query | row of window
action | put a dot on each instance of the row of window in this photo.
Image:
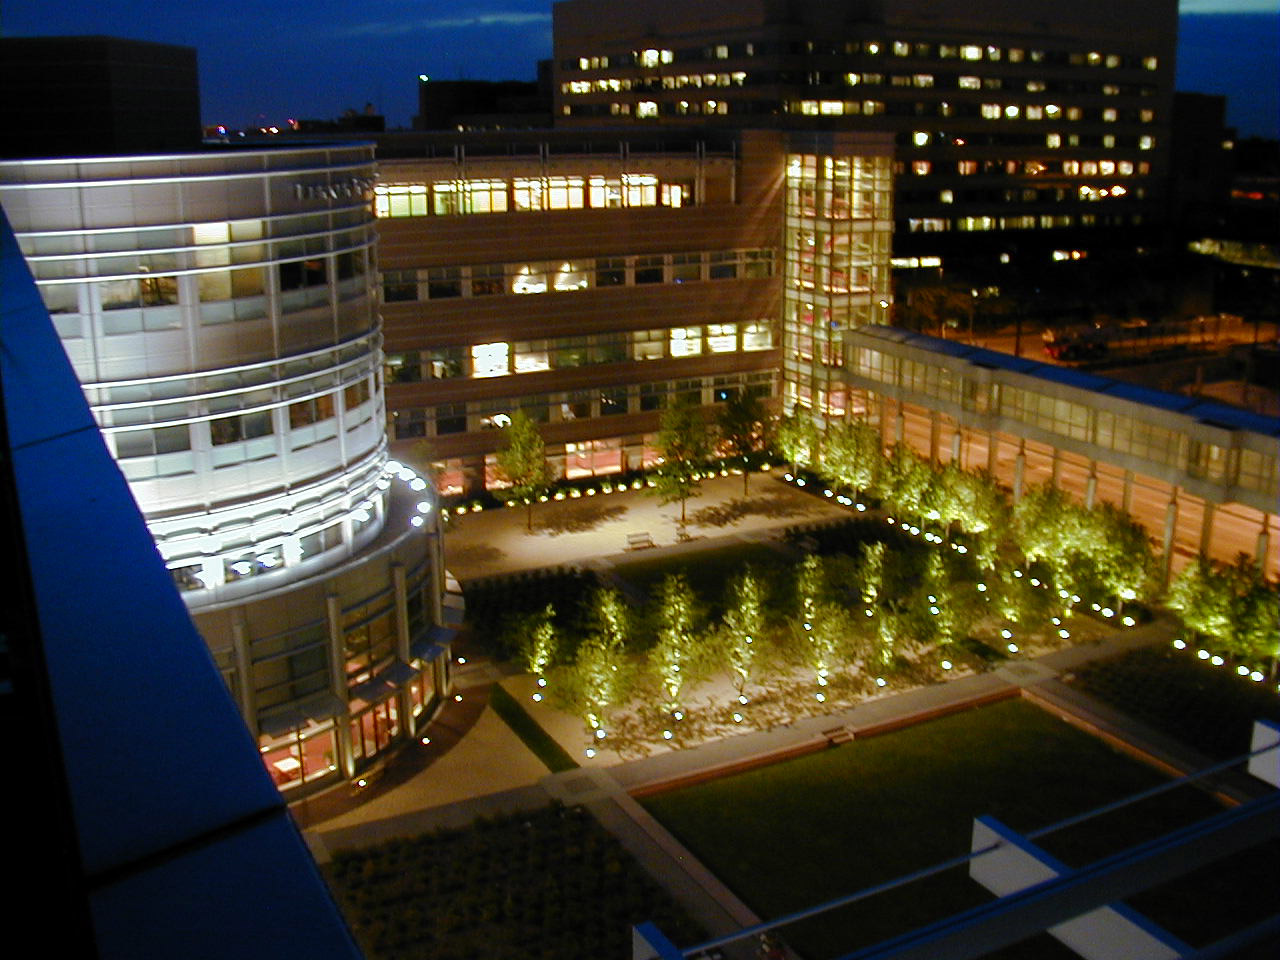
(452, 418)
(564, 276)
(451, 197)
(1042, 195)
(919, 50)
(985, 111)
(501, 358)
(1031, 168)
(1028, 221)
(828, 78)
(1080, 421)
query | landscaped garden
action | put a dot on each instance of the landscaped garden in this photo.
(835, 822)
(547, 885)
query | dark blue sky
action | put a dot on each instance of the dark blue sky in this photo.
(316, 58)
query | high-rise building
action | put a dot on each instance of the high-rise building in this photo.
(220, 310)
(1023, 131)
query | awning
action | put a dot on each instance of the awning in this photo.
(297, 715)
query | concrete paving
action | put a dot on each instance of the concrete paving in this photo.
(480, 767)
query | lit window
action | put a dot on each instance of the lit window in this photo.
(1113, 60)
(529, 279)
(1053, 140)
(646, 108)
(1052, 110)
(722, 53)
(722, 337)
(901, 48)
(830, 108)
(1035, 113)
(1109, 115)
(1109, 140)
(490, 359)
(991, 111)
(975, 223)
(970, 52)
(851, 79)
(921, 167)
(1146, 142)
(757, 336)
(970, 83)
(967, 168)
(920, 138)
(1150, 63)
(1125, 168)
(1011, 112)
(923, 79)
(1110, 90)
(1015, 54)
(873, 48)
(570, 276)
(686, 341)
(993, 53)
(1094, 58)
(946, 196)
(1146, 116)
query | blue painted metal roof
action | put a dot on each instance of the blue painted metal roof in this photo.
(159, 763)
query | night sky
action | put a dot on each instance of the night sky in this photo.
(266, 62)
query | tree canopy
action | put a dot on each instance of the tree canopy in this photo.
(522, 461)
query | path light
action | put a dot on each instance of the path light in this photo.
(737, 718)
(1242, 670)
(828, 493)
(1202, 654)
(880, 681)
(799, 482)
(1108, 612)
(1179, 644)
(591, 752)
(457, 698)
(599, 733)
(868, 612)
(1063, 594)
(1018, 574)
(982, 588)
(416, 522)
(1057, 622)
(1006, 634)
(362, 782)
(462, 659)
(962, 548)
(888, 520)
(1256, 676)
(542, 682)
(787, 477)
(1094, 607)
(1216, 661)
(1013, 648)
(821, 697)
(678, 715)
(946, 664)
(1064, 634)
(934, 611)
(417, 484)
(1075, 598)
(536, 698)
(1035, 582)
(861, 507)
(666, 734)
(1128, 621)
(426, 741)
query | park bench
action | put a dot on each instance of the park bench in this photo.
(638, 541)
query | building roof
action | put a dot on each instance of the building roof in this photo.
(187, 848)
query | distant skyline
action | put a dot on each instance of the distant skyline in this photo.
(315, 59)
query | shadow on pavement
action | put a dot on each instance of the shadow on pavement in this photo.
(724, 514)
(473, 554)
(579, 518)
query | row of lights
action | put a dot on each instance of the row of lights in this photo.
(1216, 660)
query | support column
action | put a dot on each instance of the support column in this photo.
(1264, 543)
(1056, 469)
(993, 452)
(1091, 485)
(338, 683)
(1206, 528)
(1127, 497)
(935, 428)
(956, 450)
(1170, 527)
(899, 425)
(1019, 470)
(244, 669)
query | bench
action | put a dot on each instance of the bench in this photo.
(837, 735)
(638, 541)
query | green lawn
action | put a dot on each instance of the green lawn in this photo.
(1207, 707)
(513, 713)
(837, 821)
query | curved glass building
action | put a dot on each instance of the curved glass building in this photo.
(220, 309)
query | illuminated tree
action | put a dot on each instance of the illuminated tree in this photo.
(820, 621)
(743, 427)
(598, 674)
(906, 480)
(852, 454)
(1234, 604)
(670, 655)
(743, 626)
(798, 439)
(682, 442)
(523, 462)
(538, 641)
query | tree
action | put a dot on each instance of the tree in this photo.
(743, 625)
(820, 620)
(743, 426)
(597, 681)
(906, 480)
(798, 439)
(852, 454)
(936, 306)
(682, 442)
(523, 462)
(538, 641)
(670, 654)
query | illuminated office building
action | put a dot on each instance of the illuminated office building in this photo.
(220, 309)
(1025, 131)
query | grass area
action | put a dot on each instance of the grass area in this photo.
(838, 821)
(552, 755)
(547, 885)
(706, 570)
(1206, 707)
